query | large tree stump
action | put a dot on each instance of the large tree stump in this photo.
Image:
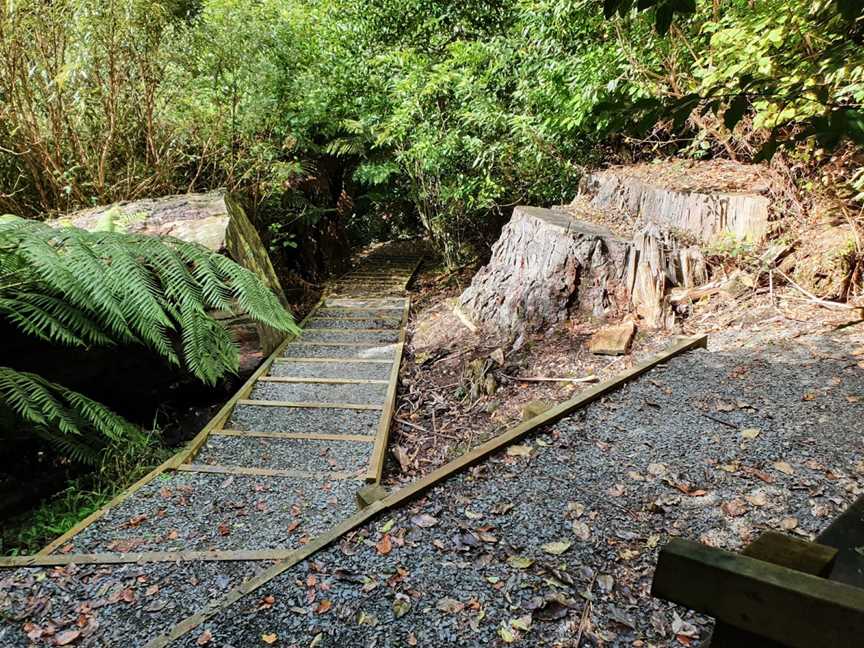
(544, 265)
(707, 216)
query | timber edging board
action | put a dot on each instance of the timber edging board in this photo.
(408, 492)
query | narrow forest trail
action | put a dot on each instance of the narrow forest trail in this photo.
(279, 465)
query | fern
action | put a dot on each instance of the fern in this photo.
(78, 288)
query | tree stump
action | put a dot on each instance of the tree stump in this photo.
(544, 265)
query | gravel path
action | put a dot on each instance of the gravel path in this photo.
(371, 337)
(356, 323)
(374, 303)
(201, 511)
(286, 454)
(320, 393)
(95, 606)
(300, 350)
(304, 420)
(345, 370)
(558, 536)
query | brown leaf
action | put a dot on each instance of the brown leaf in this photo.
(424, 521)
(224, 529)
(735, 507)
(784, 467)
(449, 605)
(266, 602)
(269, 638)
(66, 637)
(324, 606)
(384, 545)
(293, 525)
(204, 638)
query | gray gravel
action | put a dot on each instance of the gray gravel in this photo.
(391, 313)
(300, 350)
(320, 393)
(117, 605)
(201, 511)
(304, 420)
(286, 454)
(370, 337)
(368, 323)
(615, 481)
(345, 370)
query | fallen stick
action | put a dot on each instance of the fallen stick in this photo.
(814, 298)
(586, 379)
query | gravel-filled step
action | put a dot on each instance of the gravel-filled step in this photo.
(300, 350)
(123, 605)
(393, 313)
(203, 511)
(320, 393)
(355, 323)
(286, 454)
(372, 337)
(330, 420)
(378, 302)
(335, 370)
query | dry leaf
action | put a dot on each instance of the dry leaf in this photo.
(424, 521)
(449, 605)
(556, 548)
(269, 638)
(204, 638)
(788, 523)
(384, 545)
(581, 530)
(324, 606)
(784, 467)
(519, 451)
(735, 507)
(750, 433)
(66, 637)
(656, 469)
(519, 562)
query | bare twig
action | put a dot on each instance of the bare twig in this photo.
(591, 378)
(816, 300)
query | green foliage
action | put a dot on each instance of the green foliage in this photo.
(77, 288)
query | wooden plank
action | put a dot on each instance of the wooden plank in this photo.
(846, 534)
(190, 450)
(379, 452)
(265, 472)
(326, 381)
(780, 604)
(58, 560)
(359, 360)
(311, 405)
(785, 551)
(404, 494)
(311, 436)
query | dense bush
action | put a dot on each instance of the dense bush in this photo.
(375, 112)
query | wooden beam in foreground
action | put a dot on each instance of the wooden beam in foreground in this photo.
(776, 603)
(404, 494)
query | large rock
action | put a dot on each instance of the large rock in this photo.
(214, 220)
(545, 265)
(707, 216)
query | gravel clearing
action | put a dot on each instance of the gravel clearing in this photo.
(357, 323)
(558, 536)
(286, 454)
(202, 511)
(108, 605)
(390, 313)
(344, 370)
(372, 337)
(300, 350)
(320, 393)
(304, 420)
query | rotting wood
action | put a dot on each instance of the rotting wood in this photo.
(266, 472)
(325, 381)
(379, 452)
(308, 436)
(311, 405)
(408, 492)
(190, 450)
(780, 604)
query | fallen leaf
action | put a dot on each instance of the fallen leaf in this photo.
(506, 634)
(576, 508)
(424, 521)
(581, 530)
(389, 524)
(757, 498)
(629, 554)
(808, 396)
(784, 467)
(324, 606)
(224, 529)
(556, 548)
(449, 605)
(401, 606)
(656, 469)
(605, 582)
(66, 637)
(204, 638)
(384, 545)
(269, 638)
(734, 507)
(616, 491)
(788, 523)
(519, 451)
(750, 433)
(519, 562)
